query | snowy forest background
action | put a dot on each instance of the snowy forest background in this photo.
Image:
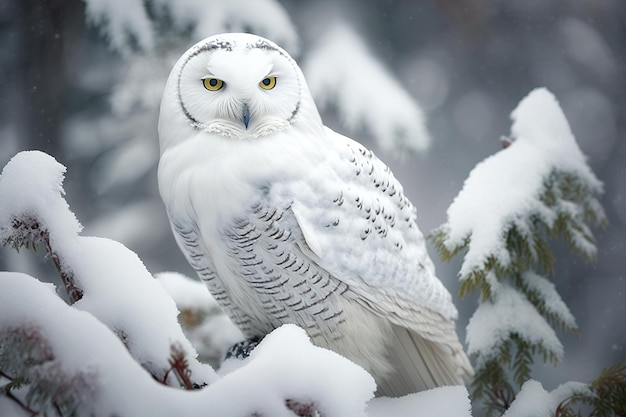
(93, 103)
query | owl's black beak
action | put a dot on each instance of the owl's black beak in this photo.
(246, 115)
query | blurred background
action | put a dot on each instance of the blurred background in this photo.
(82, 81)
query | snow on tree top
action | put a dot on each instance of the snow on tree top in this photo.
(539, 119)
(506, 189)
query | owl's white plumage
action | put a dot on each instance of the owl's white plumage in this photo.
(289, 222)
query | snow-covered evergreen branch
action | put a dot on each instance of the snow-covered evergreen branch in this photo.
(536, 188)
(364, 93)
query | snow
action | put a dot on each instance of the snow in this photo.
(91, 363)
(215, 332)
(31, 185)
(336, 385)
(187, 292)
(123, 22)
(542, 143)
(144, 313)
(549, 297)
(508, 313)
(29, 304)
(366, 95)
(443, 401)
(263, 17)
(128, 25)
(534, 401)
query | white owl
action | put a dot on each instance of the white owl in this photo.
(287, 221)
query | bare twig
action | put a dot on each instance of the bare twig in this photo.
(67, 276)
(178, 364)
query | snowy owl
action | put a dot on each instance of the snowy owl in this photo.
(287, 221)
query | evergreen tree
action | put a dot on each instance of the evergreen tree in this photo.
(537, 188)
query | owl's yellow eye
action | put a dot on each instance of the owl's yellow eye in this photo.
(212, 84)
(268, 83)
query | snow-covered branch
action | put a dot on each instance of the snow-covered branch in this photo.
(73, 363)
(365, 94)
(539, 186)
(103, 271)
(134, 25)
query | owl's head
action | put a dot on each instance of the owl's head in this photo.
(236, 85)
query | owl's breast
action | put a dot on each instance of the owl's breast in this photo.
(238, 195)
(216, 178)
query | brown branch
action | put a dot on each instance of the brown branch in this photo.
(57, 408)
(67, 276)
(21, 404)
(501, 397)
(29, 230)
(7, 392)
(560, 409)
(178, 364)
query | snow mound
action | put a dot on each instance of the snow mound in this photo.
(534, 401)
(73, 360)
(443, 401)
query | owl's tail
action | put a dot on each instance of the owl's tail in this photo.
(421, 364)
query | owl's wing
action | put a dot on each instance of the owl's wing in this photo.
(188, 238)
(358, 224)
(361, 228)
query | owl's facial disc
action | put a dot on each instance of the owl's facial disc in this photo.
(243, 87)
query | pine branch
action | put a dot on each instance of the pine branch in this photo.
(499, 399)
(607, 396)
(27, 232)
(23, 350)
(491, 385)
(543, 295)
(610, 390)
(19, 403)
(573, 207)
